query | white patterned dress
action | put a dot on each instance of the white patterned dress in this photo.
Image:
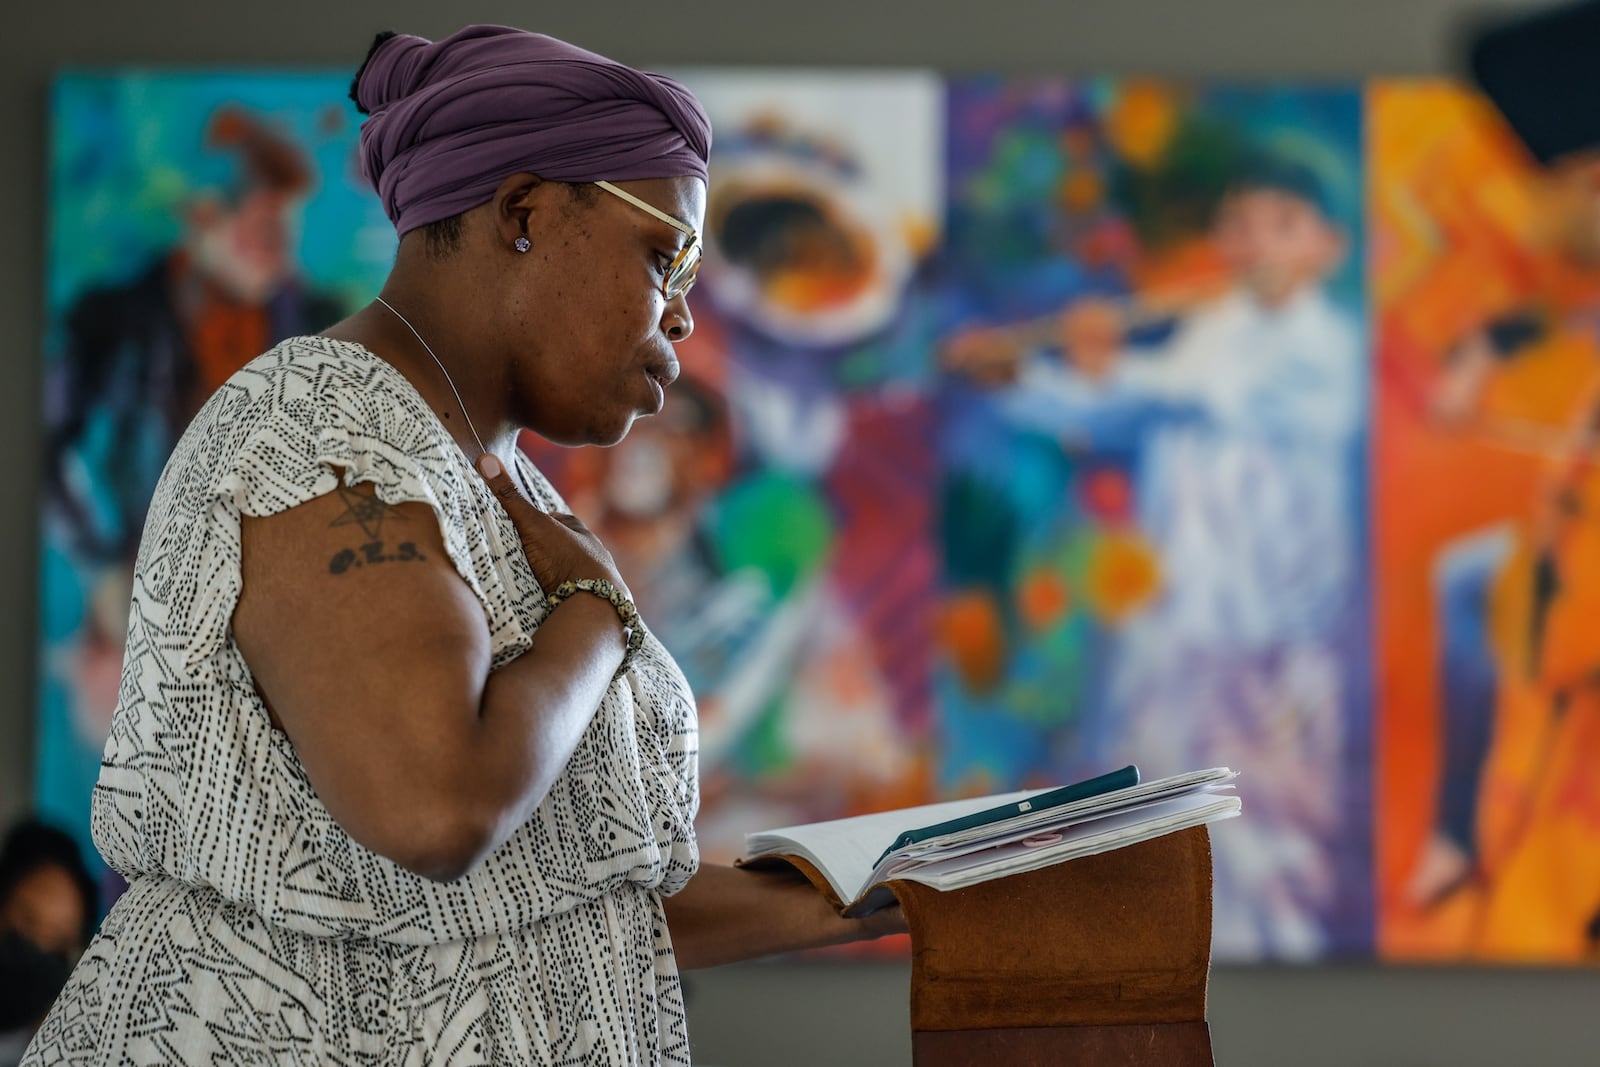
(254, 929)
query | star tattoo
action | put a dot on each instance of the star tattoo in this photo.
(367, 512)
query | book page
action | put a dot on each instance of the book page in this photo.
(844, 850)
(849, 853)
(1134, 796)
(1020, 829)
(1101, 835)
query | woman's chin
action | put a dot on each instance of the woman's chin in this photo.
(607, 434)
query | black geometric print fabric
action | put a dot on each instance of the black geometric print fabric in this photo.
(255, 930)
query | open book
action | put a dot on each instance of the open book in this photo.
(964, 842)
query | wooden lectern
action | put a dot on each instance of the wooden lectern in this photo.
(1101, 960)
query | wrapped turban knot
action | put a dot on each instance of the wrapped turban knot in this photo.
(448, 121)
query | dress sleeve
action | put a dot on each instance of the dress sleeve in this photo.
(298, 439)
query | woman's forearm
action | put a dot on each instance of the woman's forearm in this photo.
(533, 712)
(728, 914)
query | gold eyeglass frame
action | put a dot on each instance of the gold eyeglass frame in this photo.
(681, 262)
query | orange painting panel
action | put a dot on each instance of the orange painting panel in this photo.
(1452, 204)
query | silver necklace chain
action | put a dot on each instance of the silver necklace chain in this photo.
(448, 380)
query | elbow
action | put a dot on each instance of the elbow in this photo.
(442, 845)
(445, 861)
(442, 827)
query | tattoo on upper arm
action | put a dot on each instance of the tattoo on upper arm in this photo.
(371, 554)
(367, 512)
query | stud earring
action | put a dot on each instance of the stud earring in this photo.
(522, 244)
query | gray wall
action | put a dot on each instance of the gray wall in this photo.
(774, 1013)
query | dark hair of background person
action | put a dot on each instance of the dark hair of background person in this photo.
(32, 844)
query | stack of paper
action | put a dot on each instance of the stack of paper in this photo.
(964, 842)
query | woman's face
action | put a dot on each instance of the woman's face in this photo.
(591, 335)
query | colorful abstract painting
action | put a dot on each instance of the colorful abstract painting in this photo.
(1152, 414)
(1488, 840)
(1028, 428)
(195, 220)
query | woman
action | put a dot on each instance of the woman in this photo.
(387, 789)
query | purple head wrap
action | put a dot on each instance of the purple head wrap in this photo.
(449, 120)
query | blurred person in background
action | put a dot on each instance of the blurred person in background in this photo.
(48, 911)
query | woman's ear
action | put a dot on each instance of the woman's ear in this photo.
(515, 206)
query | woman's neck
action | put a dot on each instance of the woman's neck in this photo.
(403, 329)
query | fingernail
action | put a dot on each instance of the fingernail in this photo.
(490, 466)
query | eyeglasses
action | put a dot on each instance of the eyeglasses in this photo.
(685, 265)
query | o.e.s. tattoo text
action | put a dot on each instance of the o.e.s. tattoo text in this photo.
(369, 513)
(371, 554)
